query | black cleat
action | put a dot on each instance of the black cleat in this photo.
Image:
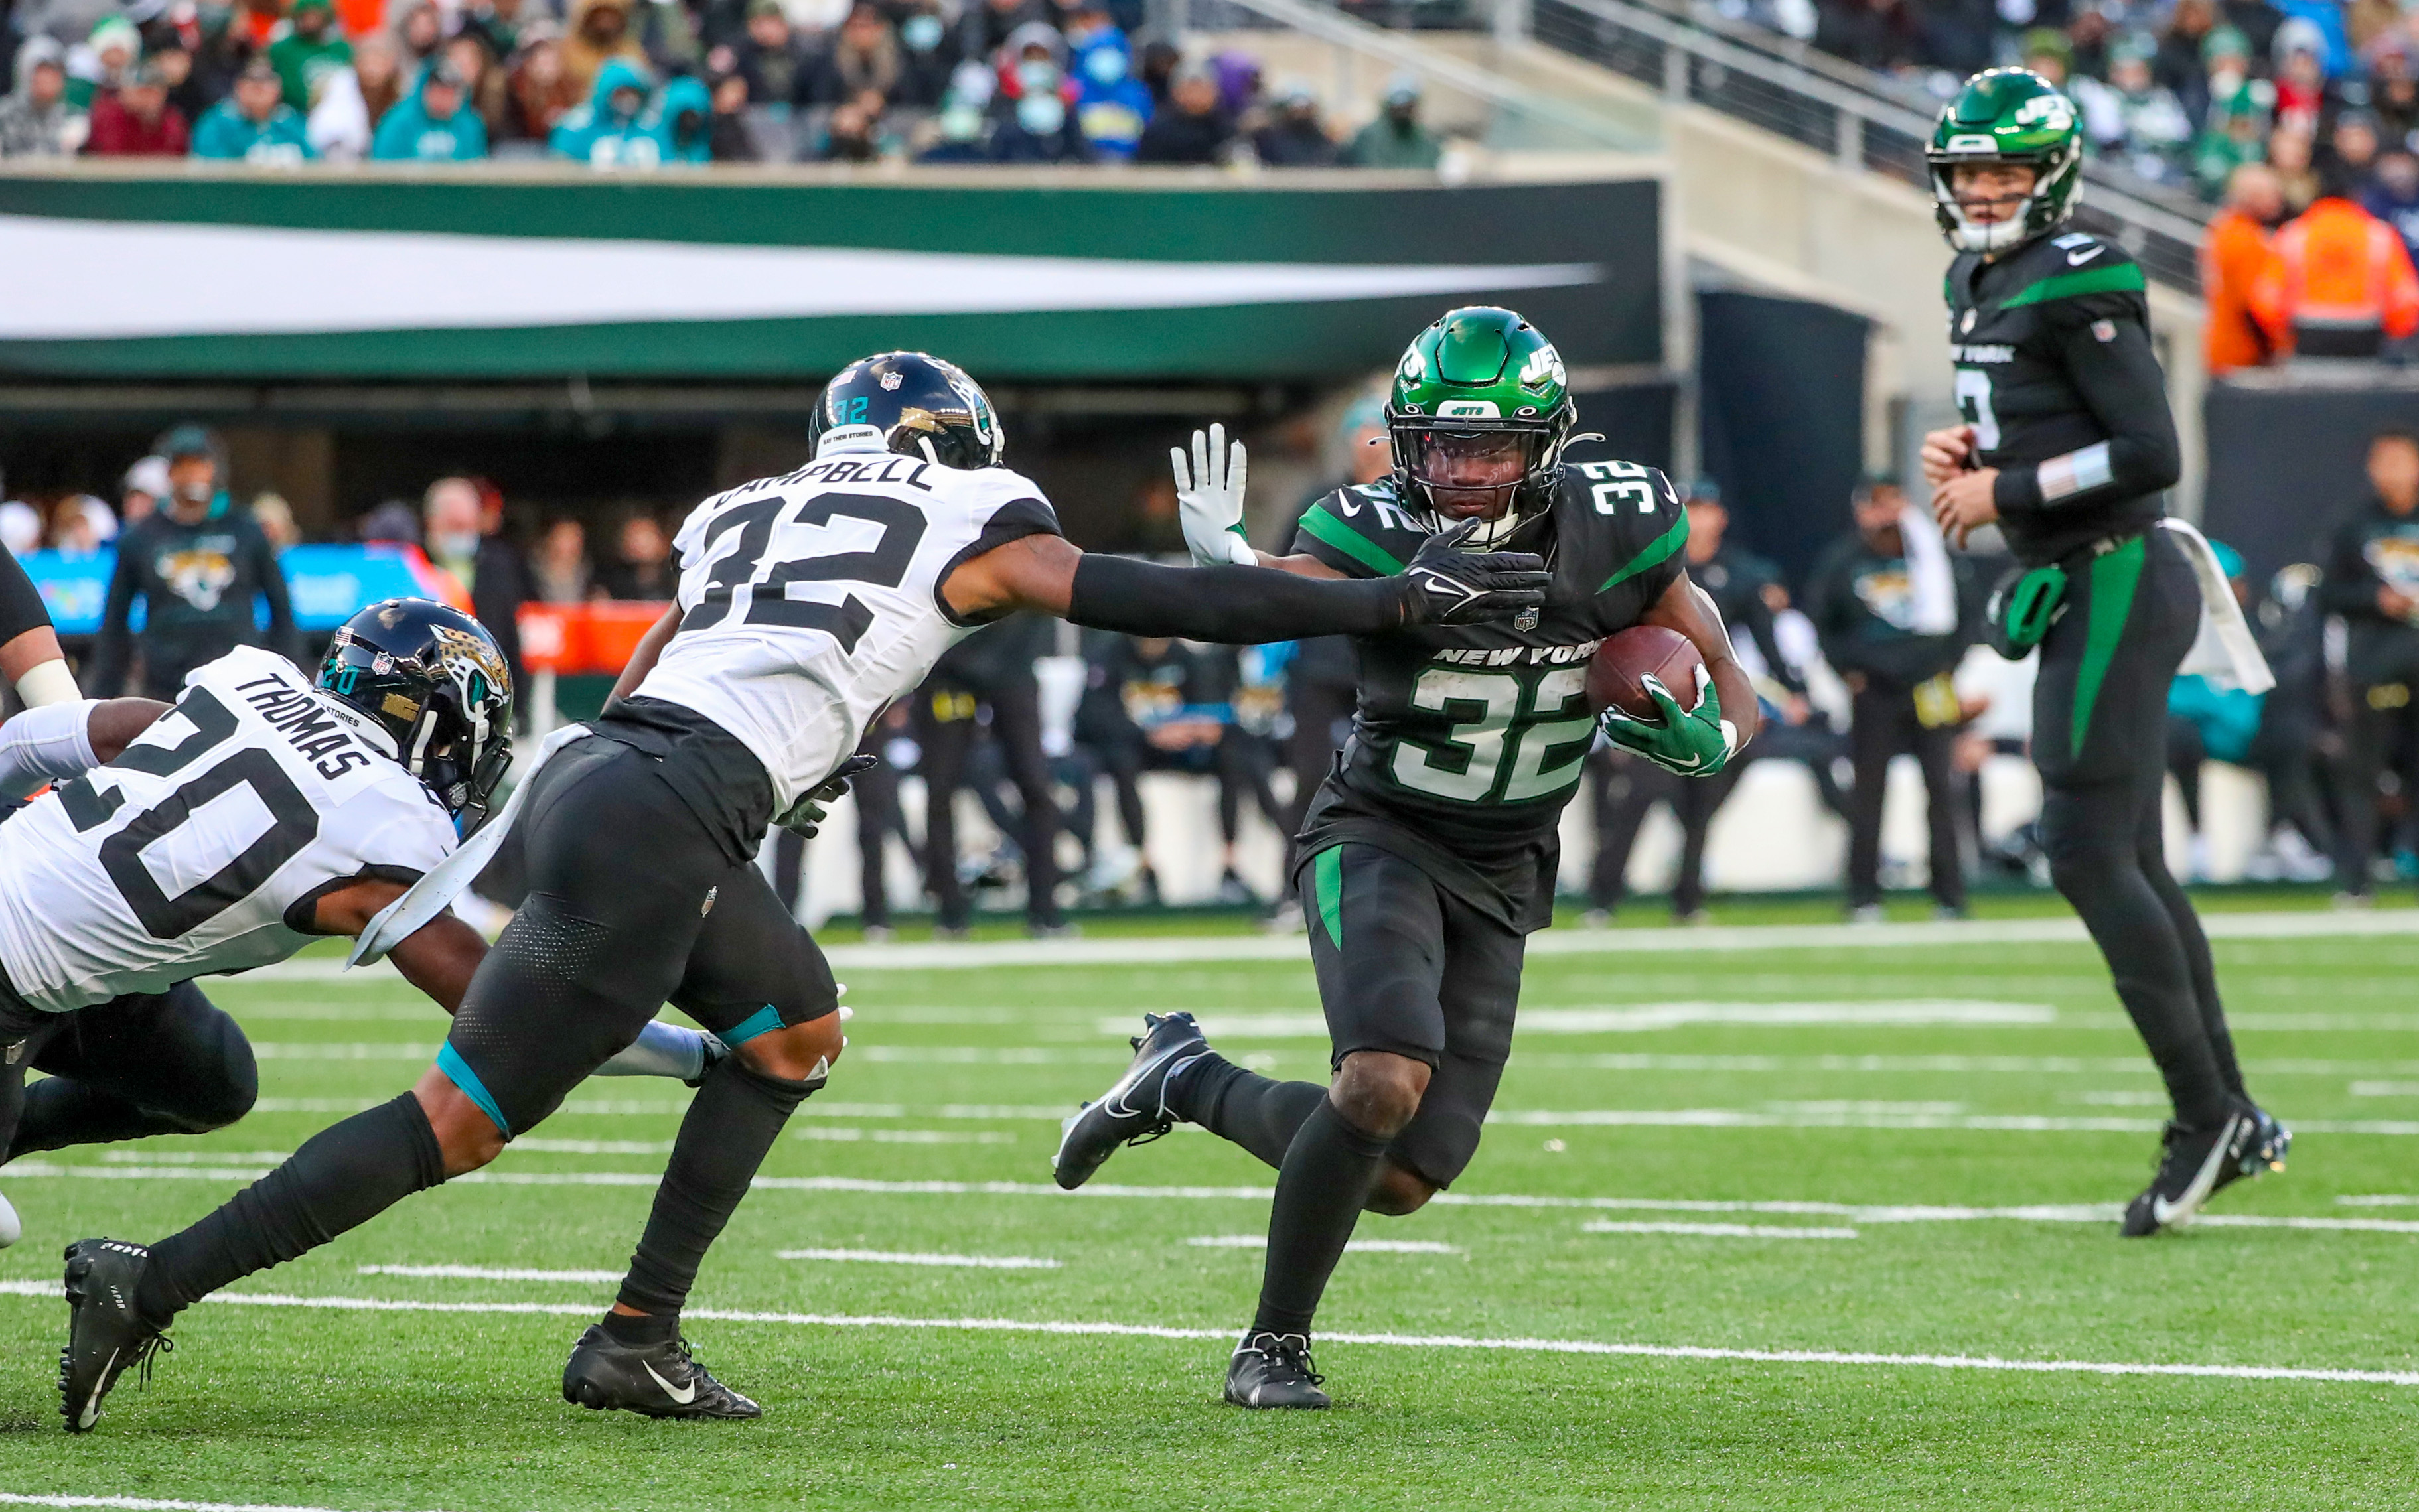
(1135, 1111)
(2263, 1152)
(2191, 1164)
(1273, 1370)
(105, 1333)
(659, 1379)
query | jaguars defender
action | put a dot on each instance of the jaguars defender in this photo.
(2067, 447)
(807, 603)
(1429, 853)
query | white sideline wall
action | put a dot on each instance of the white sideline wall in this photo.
(1773, 835)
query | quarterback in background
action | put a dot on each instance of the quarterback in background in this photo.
(1428, 855)
(2067, 448)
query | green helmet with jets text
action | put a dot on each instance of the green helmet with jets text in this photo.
(1477, 391)
(2014, 116)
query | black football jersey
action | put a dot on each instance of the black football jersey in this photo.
(1471, 738)
(2056, 374)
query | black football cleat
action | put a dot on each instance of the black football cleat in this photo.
(1135, 1111)
(105, 1333)
(659, 1379)
(2192, 1165)
(1272, 1371)
(2262, 1153)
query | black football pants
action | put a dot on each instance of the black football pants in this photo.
(1884, 727)
(145, 1063)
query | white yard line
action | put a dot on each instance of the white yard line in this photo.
(1644, 1017)
(147, 1504)
(1356, 1247)
(490, 1272)
(886, 1257)
(851, 1134)
(49, 1291)
(1719, 1230)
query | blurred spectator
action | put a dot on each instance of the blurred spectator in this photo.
(2234, 257)
(1160, 59)
(1893, 609)
(2289, 154)
(2048, 52)
(1194, 127)
(959, 134)
(2341, 283)
(191, 89)
(642, 568)
(1877, 34)
(775, 61)
(2393, 197)
(2181, 62)
(105, 60)
(483, 80)
(2351, 148)
(36, 120)
(377, 67)
(2300, 76)
(559, 572)
(311, 47)
(144, 486)
(1395, 139)
(338, 126)
(986, 25)
(683, 116)
(1113, 105)
(2324, 20)
(2393, 90)
(435, 124)
(499, 23)
(609, 131)
(21, 526)
(419, 33)
(2372, 581)
(137, 121)
(74, 532)
(1032, 111)
(456, 530)
(540, 92)
(392, 523)
(2365, 20)
(2236, 133)
(275, 518)
(728, 137)
(1295, 137)
(850, 134)
(987, 679)
(2134, 120)
(198, 565)
(254, 124)
(926, 57)
(599, 32)
(864, 58)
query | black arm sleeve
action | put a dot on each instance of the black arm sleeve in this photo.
(2120, 383)
(21, 602)
(113, 648)
(1228, 606)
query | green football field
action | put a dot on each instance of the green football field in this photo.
(1818, 1218)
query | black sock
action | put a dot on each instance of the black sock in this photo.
(1325, 1181)
(1244, 1107)
(639, 1331)
(342, 1177)
(732, 1124)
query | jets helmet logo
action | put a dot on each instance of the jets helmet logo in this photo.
(2048, 112)
(1543, 370)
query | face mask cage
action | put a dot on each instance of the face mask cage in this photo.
(1430, 458)
(2035, 212)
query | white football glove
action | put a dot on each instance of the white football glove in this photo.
(1209, 500)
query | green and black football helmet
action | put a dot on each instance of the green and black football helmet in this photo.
(922, 406)
(1480, 380)
(433, 677)
(2007, 115)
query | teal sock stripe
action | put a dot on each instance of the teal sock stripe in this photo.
(762, 1021)
(450, 1065)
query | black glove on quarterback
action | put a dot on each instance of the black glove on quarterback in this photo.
(1447, 585)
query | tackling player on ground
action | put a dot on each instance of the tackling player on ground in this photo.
(807, 603)
(1429, 853)
(2067, 448)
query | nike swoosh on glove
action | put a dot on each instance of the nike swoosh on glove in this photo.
(1210, 500)
(1448, 586)
(1694, 742)
(806, 816)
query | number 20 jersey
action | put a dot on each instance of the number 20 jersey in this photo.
(808, 602)
(207, 845)
(1469, 739)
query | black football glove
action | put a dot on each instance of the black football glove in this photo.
(1448, 586)
(806, 815)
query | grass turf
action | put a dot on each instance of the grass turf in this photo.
(954, 1075)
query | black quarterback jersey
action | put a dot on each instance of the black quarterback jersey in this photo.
(1469, 739)
(2056, 374)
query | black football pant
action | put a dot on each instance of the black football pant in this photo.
(1625, 788)
(2100, 725)
(946, 727)
(1245, 763)
(145, 1063)
(1884, 727)
(2384, 727)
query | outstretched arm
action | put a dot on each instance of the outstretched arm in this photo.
(58, 741)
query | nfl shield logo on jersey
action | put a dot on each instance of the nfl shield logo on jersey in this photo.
(1526, 618)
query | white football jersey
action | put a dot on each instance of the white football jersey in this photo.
(809, 601)
(206, 845)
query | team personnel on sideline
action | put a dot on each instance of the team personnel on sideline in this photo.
(2067, 448)
(807, 604)
(1428, 855)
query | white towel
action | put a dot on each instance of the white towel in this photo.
(427, 898)
(1932, 583)
(2224, 651)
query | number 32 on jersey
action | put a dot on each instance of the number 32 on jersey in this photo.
(1519, 735)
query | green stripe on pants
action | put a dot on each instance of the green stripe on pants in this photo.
(1327, 884)
(2114, 578)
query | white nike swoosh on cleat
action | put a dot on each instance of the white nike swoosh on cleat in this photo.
(683, 1394)
(2177, 1213)
(1114, 1104)
(91, 1413)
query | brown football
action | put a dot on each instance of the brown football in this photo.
(1638, 652)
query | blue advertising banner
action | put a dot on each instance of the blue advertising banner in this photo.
(326, 583)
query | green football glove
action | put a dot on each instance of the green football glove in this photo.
(806, 816)
(1694, 742)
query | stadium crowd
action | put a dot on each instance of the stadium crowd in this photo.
(638, 83)
(1870, 654)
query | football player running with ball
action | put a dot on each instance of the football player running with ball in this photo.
(2067, 447)
(807, 603)
(1428, 855)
